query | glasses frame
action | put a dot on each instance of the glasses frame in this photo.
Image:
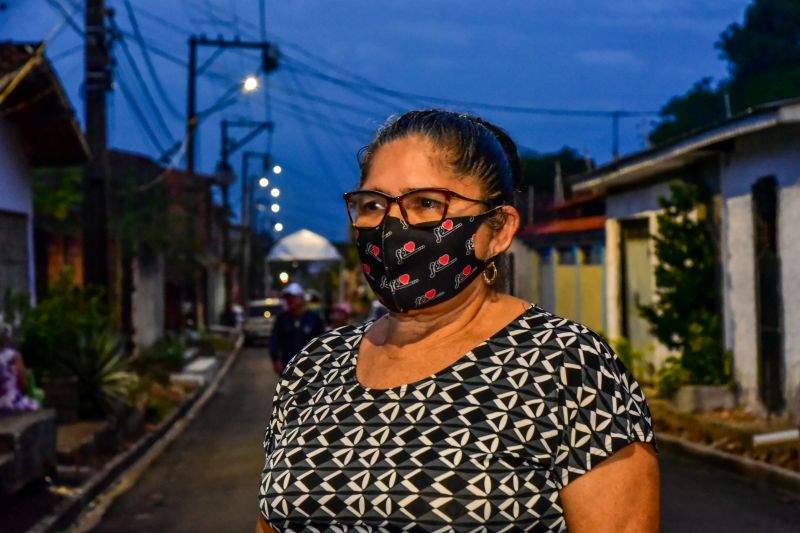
(448, 194)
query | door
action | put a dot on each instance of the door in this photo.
(637, 287)
(768, 293)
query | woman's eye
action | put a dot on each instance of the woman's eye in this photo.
(371, 206)
(429, 203)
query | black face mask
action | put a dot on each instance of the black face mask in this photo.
(413, 268)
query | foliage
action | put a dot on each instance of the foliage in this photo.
(539, 170)
(701, 106)
(763, 56)
(52, 330)
(685, 316)
(163, 357)
(57, 198)
(633, 359)
(15, 305)
(763, 53)
(103, 372)
(671, 377)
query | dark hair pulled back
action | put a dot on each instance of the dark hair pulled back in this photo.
(470, 146)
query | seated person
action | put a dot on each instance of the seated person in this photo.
(12, 378)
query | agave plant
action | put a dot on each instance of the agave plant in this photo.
(103, 372)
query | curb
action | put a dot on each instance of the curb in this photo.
(121, 473)
(756, 470)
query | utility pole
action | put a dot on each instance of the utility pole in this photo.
(269, 63)
(615, 116)
(225, 177)
(97, 82)
(248, 226)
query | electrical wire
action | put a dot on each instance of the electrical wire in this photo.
(144, 88)
(140, 116)
(148, 61)
(343, 151)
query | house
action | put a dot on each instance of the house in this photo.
(751, 165)
(38, 131)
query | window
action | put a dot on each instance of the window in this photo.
(566, 255)
(592, 254)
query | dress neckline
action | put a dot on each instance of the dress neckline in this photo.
(400, 390)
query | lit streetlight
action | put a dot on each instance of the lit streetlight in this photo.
(275, 208)
(277, 169)
(250, 84)
(263, 183)
(275, 192)
(278, 227)
(284, 277)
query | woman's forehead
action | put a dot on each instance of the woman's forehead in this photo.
(414, 163)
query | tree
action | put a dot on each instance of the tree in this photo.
(702, 105)
(763, 56)
(685, 314)
(763, 53)
(539, 170)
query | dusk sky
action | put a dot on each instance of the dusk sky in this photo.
(566, 54)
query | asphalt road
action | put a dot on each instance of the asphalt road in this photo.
(208, 480)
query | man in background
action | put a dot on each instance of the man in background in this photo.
(293, 328)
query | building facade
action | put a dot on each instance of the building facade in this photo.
(751, 166)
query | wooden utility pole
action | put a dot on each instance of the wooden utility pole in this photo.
(97, 82)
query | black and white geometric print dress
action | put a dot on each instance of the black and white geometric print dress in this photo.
(483, 445)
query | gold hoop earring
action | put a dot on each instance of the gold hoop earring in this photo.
(490, 280)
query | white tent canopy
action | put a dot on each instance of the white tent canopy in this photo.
(304, 245)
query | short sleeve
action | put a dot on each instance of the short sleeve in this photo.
(601, 407)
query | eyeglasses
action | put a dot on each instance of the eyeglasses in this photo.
(420, 207)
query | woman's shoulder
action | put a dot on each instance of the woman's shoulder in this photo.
(558, 342)
(543, 327)
(329, 348)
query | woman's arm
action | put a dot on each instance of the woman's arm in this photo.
(621, 494)
(22, 378)
(262, 527)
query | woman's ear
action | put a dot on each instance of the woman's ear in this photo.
(504, 230)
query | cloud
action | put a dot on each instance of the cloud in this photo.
(609, 58)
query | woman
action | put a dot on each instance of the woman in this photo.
(13, 383)
(463, 409)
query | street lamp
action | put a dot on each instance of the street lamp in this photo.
(277, 169)
(250, 84)
(275, 192)
(278, 227)
(275, 208)
(284, 277)
(263, 183)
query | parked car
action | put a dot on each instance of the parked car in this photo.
(260, 318)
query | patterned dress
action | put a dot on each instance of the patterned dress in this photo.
(483, 445)
(12, 399)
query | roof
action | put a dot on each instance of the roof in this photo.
(570, 225)
(687, 149)
(304, 245)
(39, 110)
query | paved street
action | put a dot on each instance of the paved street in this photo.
(207, 481)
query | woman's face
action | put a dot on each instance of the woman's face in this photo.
(413, 163)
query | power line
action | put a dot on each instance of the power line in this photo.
(337, 118)
(143, 86)
(140, 116)
(148, 62)
(415, 98)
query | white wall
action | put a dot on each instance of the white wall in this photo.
(739, 288)
(16, 196)
(772, 153)
(147, 300)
